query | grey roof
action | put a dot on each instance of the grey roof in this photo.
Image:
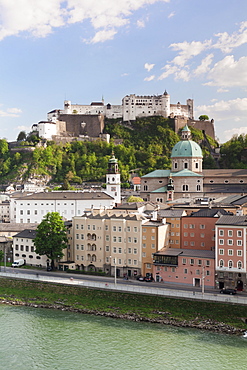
(232, 220)
(208, 212)
(225, 188)
(67, 195)
(132, 217)
(27, 234)
(186, 253)
(176, 213)
(225, 173)
(163, 189)
(16, 227)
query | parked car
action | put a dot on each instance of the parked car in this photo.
(140, 278)
(18, 263)
(228, 291)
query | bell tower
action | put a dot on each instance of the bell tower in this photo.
(113, 182)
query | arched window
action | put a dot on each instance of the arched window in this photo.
(221, 263)
(89, 257)
(175, 165)
(230, 264)
(93, 258)
(198, 187)
(89, 236)
(89, 248)
(93, 237)
(239, 264)
(93, 247)
(185, 188)
(185, 165)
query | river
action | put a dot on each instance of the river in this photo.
(34, 338)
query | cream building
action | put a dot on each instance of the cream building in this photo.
(107, 241)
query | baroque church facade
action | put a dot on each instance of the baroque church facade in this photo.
(188, 179)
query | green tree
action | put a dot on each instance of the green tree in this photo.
(22, 136)
(203, 117)
(51, 237)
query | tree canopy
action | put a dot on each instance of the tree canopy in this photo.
(51, 237)
(133, 198)
(203, 117)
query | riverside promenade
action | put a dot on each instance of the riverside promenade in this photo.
(159, 291)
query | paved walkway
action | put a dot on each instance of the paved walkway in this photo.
(166, 292)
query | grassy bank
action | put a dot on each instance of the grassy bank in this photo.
(110, 302)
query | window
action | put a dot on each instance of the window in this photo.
(199, 262)
(202, 244)
(114, 250)
(202, 235)
(82, 247)
(230, 264)
(185, 243)
(221, 232)
(143, 245)
(184, 261)
(128, 228)
(135, 229)
(114, 228)
(239, 243)
(230, 242)
(82, 236)
(129, 261)
(94, 228)
(129, 239)
(135, 262)
(185, 165)
(114, 238)
(77, 246)
(185, 226)
(135, 251)
(230, 252)
(143, 254)
(221, 252)
(107, 238)
(186, 271)
(239, 264)
(88, 227)
(135, 240)
(152, 246)
(119, 261)
(229, 232)
(192, 261)
(119, 239)
(185, 188)
(198, 187)
(120, 229)
(207, 263)
(77, 226)
(129, 250)
(185, 234)
(239, 253)
(144, 230)
(77, 236)
(221, 263)
(207, 272)
(191, 226)
(197, 272)
(192, 244)
(106, 227)
(119, 250)
(148, 265)
(192, 235)
(107, 248)
(202, 226)
(221, 241)
(152, 237)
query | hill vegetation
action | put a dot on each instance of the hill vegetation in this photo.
(143, 146)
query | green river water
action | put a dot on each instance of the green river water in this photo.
(49, 339)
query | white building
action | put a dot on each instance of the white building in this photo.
(31, 208)
(24, 248)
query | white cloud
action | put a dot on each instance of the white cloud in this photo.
(124, 74)
(222, 90)
(187, 50)
(148, 66)
(226, 43)
(103, 35)
(204, 66)
(235, 110)
(235, 131)
(40, 17)
(229, 72)
(140, 23)
(149, 78)
(23, 128)
(10, 112)
(171, 15)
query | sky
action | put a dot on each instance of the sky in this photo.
(83, 50)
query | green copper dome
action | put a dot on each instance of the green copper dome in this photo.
(186, 148)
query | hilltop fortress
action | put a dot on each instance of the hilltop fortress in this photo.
(87, 121)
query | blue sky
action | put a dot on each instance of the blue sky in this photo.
(81, 50)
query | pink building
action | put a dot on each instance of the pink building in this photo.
(185, 266)
(230, 252)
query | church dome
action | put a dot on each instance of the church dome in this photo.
(186, 148)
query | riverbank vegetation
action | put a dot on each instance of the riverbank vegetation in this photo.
(139, 307)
